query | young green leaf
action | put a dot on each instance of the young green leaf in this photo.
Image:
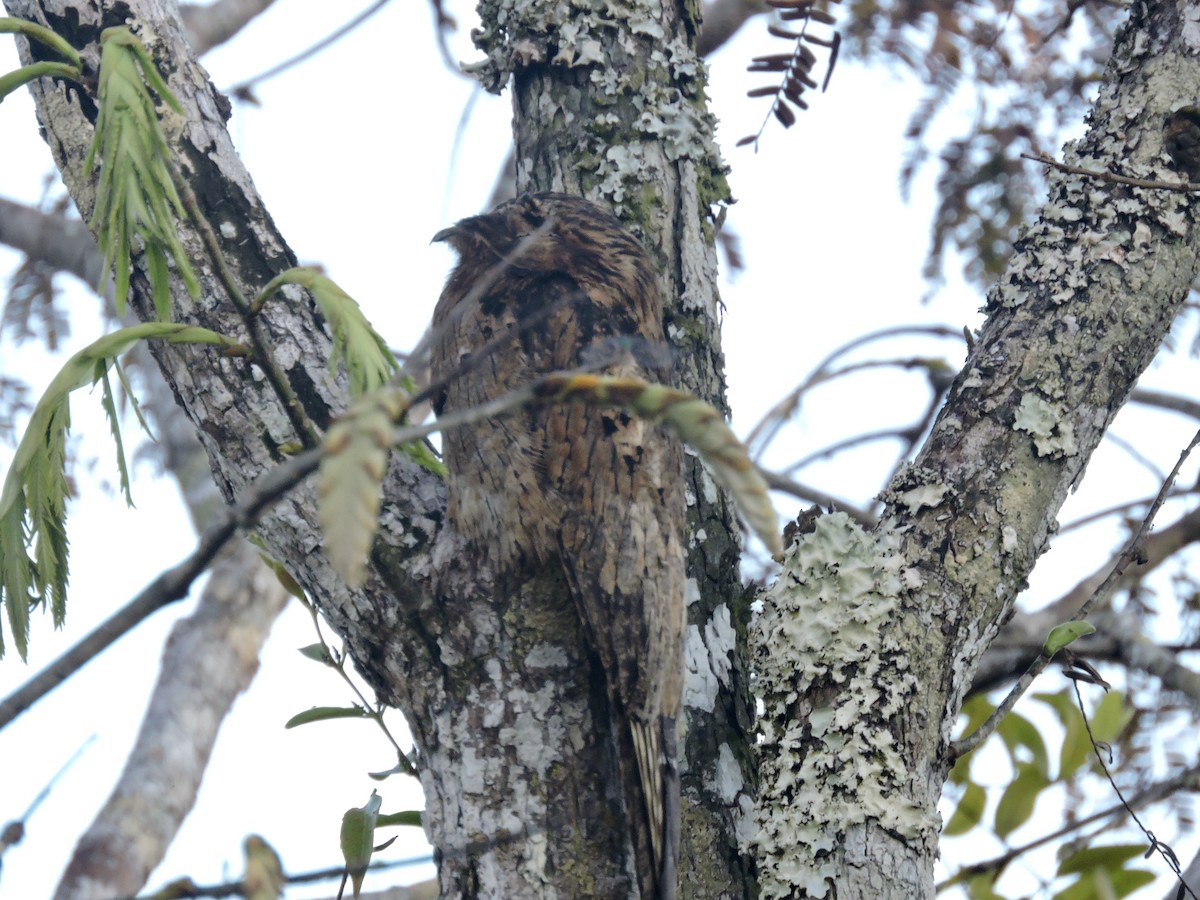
(369, 363)
(324, 714)
(350, 483)
(1066, 633)
(136, 200)
(10, 81)
(34, 497)
(358, 839)
(42, 35)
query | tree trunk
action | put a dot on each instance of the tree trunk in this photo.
(870, 641)
(515, 758)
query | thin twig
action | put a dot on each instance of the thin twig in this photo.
(305, 432)
(782, 483)
(243, 89)
(1186, 187)
(174, 584)
(1167, 854)
(1128, 555)
(1189, 779)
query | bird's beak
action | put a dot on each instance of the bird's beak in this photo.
(445, 234)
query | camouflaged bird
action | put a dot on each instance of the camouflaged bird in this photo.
(551, 282)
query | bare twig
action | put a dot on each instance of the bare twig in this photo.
(215, 23)
(1128, 555)
(244, 90)
(1186, 187)
(777, 482)
(1186, 780)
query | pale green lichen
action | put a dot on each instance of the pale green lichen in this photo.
(646, 91)
(1048, 423)
(829, 630)
(922, 496)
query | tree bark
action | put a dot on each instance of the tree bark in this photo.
(857, 745)
(515, 762)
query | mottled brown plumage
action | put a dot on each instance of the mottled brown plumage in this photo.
(597, 490)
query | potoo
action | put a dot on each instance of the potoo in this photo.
(551, 282)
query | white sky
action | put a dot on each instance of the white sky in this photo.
(351, 153)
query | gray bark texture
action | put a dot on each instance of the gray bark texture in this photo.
(516, 764)
(857, 743)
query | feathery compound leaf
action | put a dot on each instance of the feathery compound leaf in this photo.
(695, 422)
(350, 482)
(369, 363)
(34, 498)
(42, 35)
(136, 197)
(795, 66)
(13, 80)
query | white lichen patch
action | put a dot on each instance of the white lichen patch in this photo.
(632, 61)
(1052, 430)
(707, 660)
(834, 679)
(922, 496)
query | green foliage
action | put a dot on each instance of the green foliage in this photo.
(325, 713)
(1102, 872)
(358, 838)
(46, 69)
(136, 199)
(1017, 802)
(34, 498)
(969, 811)
(369, 363)
(350, 485)
(1067, 633)
(69, 70)
(42, 35)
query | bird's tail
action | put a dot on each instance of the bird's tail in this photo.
(652, 803)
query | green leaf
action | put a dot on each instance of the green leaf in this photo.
(1062, 703)
(408, 817)
(1111, 716)
(1076, 747)
(42, 35)
(369, 363)
(401, 768)
(1017, 731)
(358, 839)
(108, 402)
(11, 81)
(969, 811)
(1066, 633)
(324, 713)
(1111, 857)
(1104, 883)
(979, 887)
(282, 575)
(350, 482)
(136, 200)
(317, 653)
(1017, 801)
(33, 499)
